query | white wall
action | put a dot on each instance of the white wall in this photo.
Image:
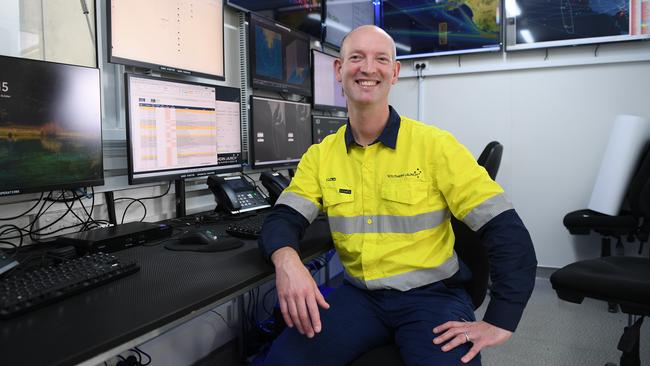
(553, 121)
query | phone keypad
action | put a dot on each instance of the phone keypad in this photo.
(250, 199)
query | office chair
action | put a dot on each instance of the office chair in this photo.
(469, 250)
(623, 281)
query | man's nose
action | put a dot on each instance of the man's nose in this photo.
(368, 66)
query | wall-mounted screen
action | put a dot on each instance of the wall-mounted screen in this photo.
(302, 15)
(278, 57)
(50, 126)
(342, 16)
(323, 126)
(328, 92)
(423, 28)
(280, 132)
(176, 36)
(179, 129)
(555, 23)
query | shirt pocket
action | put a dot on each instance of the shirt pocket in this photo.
(408, 193)
(335, 195)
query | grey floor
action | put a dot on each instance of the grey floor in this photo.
(552, 332)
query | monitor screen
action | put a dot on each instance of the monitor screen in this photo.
(554, 23)
(279, 57)
(177, 36)
(328, 92)
(424, 28)
(50, 126)
(280, 132)
(302, 15)
(323, 126)
(342, 16)
(179, 129)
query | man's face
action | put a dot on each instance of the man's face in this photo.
(366, 69)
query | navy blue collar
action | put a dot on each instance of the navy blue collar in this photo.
(388, 136)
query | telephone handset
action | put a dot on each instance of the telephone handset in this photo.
(235, 195)
(274, 183)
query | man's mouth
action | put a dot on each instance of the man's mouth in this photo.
(367, 82)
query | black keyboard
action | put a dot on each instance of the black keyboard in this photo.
(25, 291)
(249, 227)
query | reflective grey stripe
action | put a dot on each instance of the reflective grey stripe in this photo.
(388, 224)
(410, 280)
(306, 207)
(486, 211)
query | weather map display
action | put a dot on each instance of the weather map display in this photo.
(441, 27)
(551, 23)
(279, 57)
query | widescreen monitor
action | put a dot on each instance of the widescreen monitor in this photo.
(323, 126)
(302, 15)
(280, 132)
(175, 36)
(279, 57)
(423, 28)
(179, 130)
(342, 16)
(555, 23)
(328, 92)
(50, 126)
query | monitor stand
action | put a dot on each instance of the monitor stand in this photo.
(179, 191)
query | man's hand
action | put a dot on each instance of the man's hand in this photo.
(298, 293)
(480, 333)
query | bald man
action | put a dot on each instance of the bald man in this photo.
(388, 185)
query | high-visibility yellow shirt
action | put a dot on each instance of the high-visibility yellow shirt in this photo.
(389, 204)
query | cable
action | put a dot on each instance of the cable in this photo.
(139, 200)
(137, 349)
(24, 213)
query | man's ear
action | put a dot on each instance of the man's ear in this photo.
(396, 72)
(337, 69)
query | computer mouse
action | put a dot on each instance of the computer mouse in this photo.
(203, 240)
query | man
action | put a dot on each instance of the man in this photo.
(388, 184)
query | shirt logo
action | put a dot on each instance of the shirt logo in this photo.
(346, 191)
(415, 173)
(331, 179)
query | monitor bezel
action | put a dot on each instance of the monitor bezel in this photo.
(565, 42)
(177, 173)
(286, 88)
(491, 48)
(72, 185)
(251, 145)
(313, 118)
(322, 107)
(320, 37)
(168, 69)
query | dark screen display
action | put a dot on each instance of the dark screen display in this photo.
(280, 131)
(50, 126)
(324, 126)
(279, 57)
(439, 27)
(302, 15)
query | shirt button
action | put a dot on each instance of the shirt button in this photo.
(369, 221)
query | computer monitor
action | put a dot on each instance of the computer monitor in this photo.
(342, 16)
(442, 27)
(323, 126)
(179, 130)
(556, 23)
(280, 132)
(302, 15)
(50, 126)
(328, 92)
(176, 36)
(278, 57)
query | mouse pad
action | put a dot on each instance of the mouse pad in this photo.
(221, 245)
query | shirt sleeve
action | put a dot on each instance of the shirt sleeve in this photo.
(283, 227)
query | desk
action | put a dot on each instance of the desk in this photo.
(170, 288)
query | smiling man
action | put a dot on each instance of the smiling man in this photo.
(388, 185)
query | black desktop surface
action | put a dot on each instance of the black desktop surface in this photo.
(169, 286)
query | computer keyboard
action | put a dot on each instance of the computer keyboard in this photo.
(29, 290)
(249, 227)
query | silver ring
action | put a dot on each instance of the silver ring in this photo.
(466, 337)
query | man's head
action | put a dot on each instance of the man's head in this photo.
(367, 66)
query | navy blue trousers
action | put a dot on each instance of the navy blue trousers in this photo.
(359, 320)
